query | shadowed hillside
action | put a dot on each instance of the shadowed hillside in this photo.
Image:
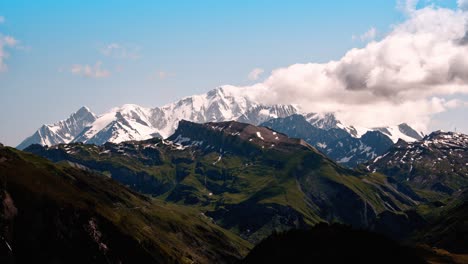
(60, 214)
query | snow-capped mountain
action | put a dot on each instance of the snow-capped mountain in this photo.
(325, 121)
(129, 122)
(329, 121)
(133, 122)
(437, 163)
(396, 132)
(226, 103)
(335, 142)
(61, 132)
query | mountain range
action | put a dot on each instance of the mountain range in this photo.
(248, 179)
(245, 182)
(133, 122)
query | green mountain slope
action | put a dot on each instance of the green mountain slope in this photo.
(57, 213)
(248, 179)
(447, 226)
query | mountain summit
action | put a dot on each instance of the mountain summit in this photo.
(133, 122)
(226, 103)
(437, 164)
(63, 131)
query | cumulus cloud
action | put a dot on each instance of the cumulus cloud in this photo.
(5, 43)
(255, 74)
(404, 77)
(368, 35)
(462, 4)
(120, 51)
(90, 71)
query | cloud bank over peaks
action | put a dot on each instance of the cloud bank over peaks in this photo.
(404, 77)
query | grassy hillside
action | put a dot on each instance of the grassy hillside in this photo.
(250, 180)
(447, 223)
(60, 213)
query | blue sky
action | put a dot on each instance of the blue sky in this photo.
(165, 49)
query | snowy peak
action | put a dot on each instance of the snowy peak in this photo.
(440, 139)
(409, 131)
(336, 143)
(221, 104)
(325, 121)
(261, 113)
(128, 122)
(63, 131)
(329, 121)
(226, 103)
(435, 146)
(133, 122)
(437, 163)
(402, 131)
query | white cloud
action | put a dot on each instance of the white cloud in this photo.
(120, 51)
(2, 19)
(402, 78)
(5, 42)
(255, 74)
(369, 35)
(462, 4)
(90, 71)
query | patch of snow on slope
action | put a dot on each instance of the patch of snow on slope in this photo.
(260, 135)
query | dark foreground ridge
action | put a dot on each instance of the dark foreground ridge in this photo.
(330, 244)
(57, 213)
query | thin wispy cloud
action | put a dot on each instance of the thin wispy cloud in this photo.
(6, 42)
(161, 75)
(2, 19)
(255, 74)
(369, 35)
(407, 6)
(121, 51)
(90, 71)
